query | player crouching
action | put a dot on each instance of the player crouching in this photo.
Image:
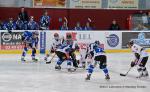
(141, 57)
(99, 57)
(56, 42)
(30, 40)
(66, 53)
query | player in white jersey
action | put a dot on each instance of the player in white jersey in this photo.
(141, 58)
(100, 58)
(66, 53)
(57, 41)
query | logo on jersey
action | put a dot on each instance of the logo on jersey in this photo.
(113, 40)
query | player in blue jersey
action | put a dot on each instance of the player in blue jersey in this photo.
(30, 40)
(99, 57)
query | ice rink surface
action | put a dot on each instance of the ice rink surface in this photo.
(40, 77)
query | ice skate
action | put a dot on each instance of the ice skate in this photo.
(58, 67)
(71, 70)
(34, 59)
(23, 60)
(107, 77)
(88, 77)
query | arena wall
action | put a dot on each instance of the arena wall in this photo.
(101, 18)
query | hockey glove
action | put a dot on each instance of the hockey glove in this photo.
(133, 64)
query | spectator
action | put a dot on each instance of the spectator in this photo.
(25, 25)
(10, 25)
(78, 27)
(32, 25)
(19, 24)
(64, 26)
(87, 26)
(145, 19)
(23, 15)
(45, 21)
(149, 18)
(140, 27)
(114, 26)
(1, 25)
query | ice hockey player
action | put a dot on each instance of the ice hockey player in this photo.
(66, 52)
(141, 57)
(56, 42)
(30, 40)
(99, 57)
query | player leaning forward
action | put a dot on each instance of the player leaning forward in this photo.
(56, 42)
(141, 57)
(30, 40)
(98, 56)
(65, 52)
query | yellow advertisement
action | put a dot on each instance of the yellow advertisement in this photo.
(123, 4)
(87, 4)
(49, 3)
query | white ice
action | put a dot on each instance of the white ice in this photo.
(40, 77)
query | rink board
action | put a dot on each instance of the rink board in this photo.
(111, 41)
(38, 52)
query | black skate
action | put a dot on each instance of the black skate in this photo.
(141, 75)
(146, 75)
(34, 59)
(48, 62)
(58, 67)
(88, 77)
(23, 60)
(83, 65)
(71, 70)
(107, 77)
(45, 58)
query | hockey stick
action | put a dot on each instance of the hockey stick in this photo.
(126, 72)
(51, 59)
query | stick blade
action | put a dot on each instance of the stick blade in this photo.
(122, 74)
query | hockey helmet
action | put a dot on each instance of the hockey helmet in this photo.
(68, 36)
(56, 36)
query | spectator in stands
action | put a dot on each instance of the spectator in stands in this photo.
(87, 26)
(32, 25)
(145, 19)
(149, 18)
(19, 24)
(64, 26)
(1, 25)
(114, 25)
(23, 15)
(45, 21)
(140, 27)
(10, 25)
(78, 27)
(25, 25)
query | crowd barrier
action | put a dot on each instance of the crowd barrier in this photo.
(111, 41)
